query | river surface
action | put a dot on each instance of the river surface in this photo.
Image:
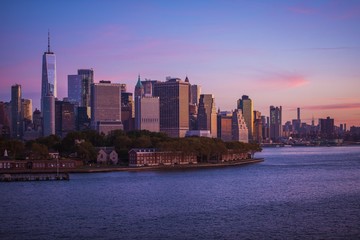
(296, 193)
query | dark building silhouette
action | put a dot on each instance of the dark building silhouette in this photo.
(16, 114)
(327, 129)
(64, 118)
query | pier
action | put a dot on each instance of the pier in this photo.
(15, 177)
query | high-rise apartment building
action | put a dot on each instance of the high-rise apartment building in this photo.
(275, 123)
(174, 106)
(207, 114)
(246, 105)
(106, 106)
(239, 128)
(16, 114)
(64, 118)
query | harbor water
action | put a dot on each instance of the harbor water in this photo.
(296, 193)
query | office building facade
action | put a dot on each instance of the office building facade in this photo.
(174, 106)
(246, 105)
(207, 115)
(106, 106)
(275, 123)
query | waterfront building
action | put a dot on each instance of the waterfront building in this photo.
(64, 118)
(275, 123)
(107, 155)
(106, 106)
(207, 114)
(239, 128)
(151, 157)
(174, 106)
(198, 133)
(48, 115)
(48, 81)
(246, 105)
(16, 113)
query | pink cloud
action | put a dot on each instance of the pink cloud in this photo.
(283, 80)
(333, 106)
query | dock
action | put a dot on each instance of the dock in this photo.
(17, 177)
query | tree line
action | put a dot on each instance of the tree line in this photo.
(83, 144)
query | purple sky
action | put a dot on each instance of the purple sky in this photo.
(292, 53)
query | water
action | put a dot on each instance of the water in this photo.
(297, 193)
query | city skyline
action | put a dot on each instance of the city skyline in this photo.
(278, 53)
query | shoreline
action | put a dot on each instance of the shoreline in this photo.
(147, 168)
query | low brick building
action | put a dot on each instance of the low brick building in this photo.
(151, 157)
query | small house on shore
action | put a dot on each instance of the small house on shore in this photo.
(107, 155)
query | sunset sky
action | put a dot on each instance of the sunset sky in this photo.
(291, 53)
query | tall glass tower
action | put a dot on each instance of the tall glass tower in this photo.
(48, 91)
(48, 81)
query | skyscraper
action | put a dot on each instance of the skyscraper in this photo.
(75, 90)
(64, 118)
(246, 105)
(48, 81)
(87, 78)
(16, 115)
(106, 106)
(207, 114)
(224, 129)
(48, 91)
(48, 115)
(239, 128)
(174, 106)
(147, 110)
(257, 137)
(275, 123)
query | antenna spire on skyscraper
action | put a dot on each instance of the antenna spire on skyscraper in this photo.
(48, 41)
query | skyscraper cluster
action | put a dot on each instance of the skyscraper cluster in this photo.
(174, 106)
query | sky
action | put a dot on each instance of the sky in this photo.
(283, 53)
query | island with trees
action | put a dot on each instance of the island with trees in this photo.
(83, 147)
